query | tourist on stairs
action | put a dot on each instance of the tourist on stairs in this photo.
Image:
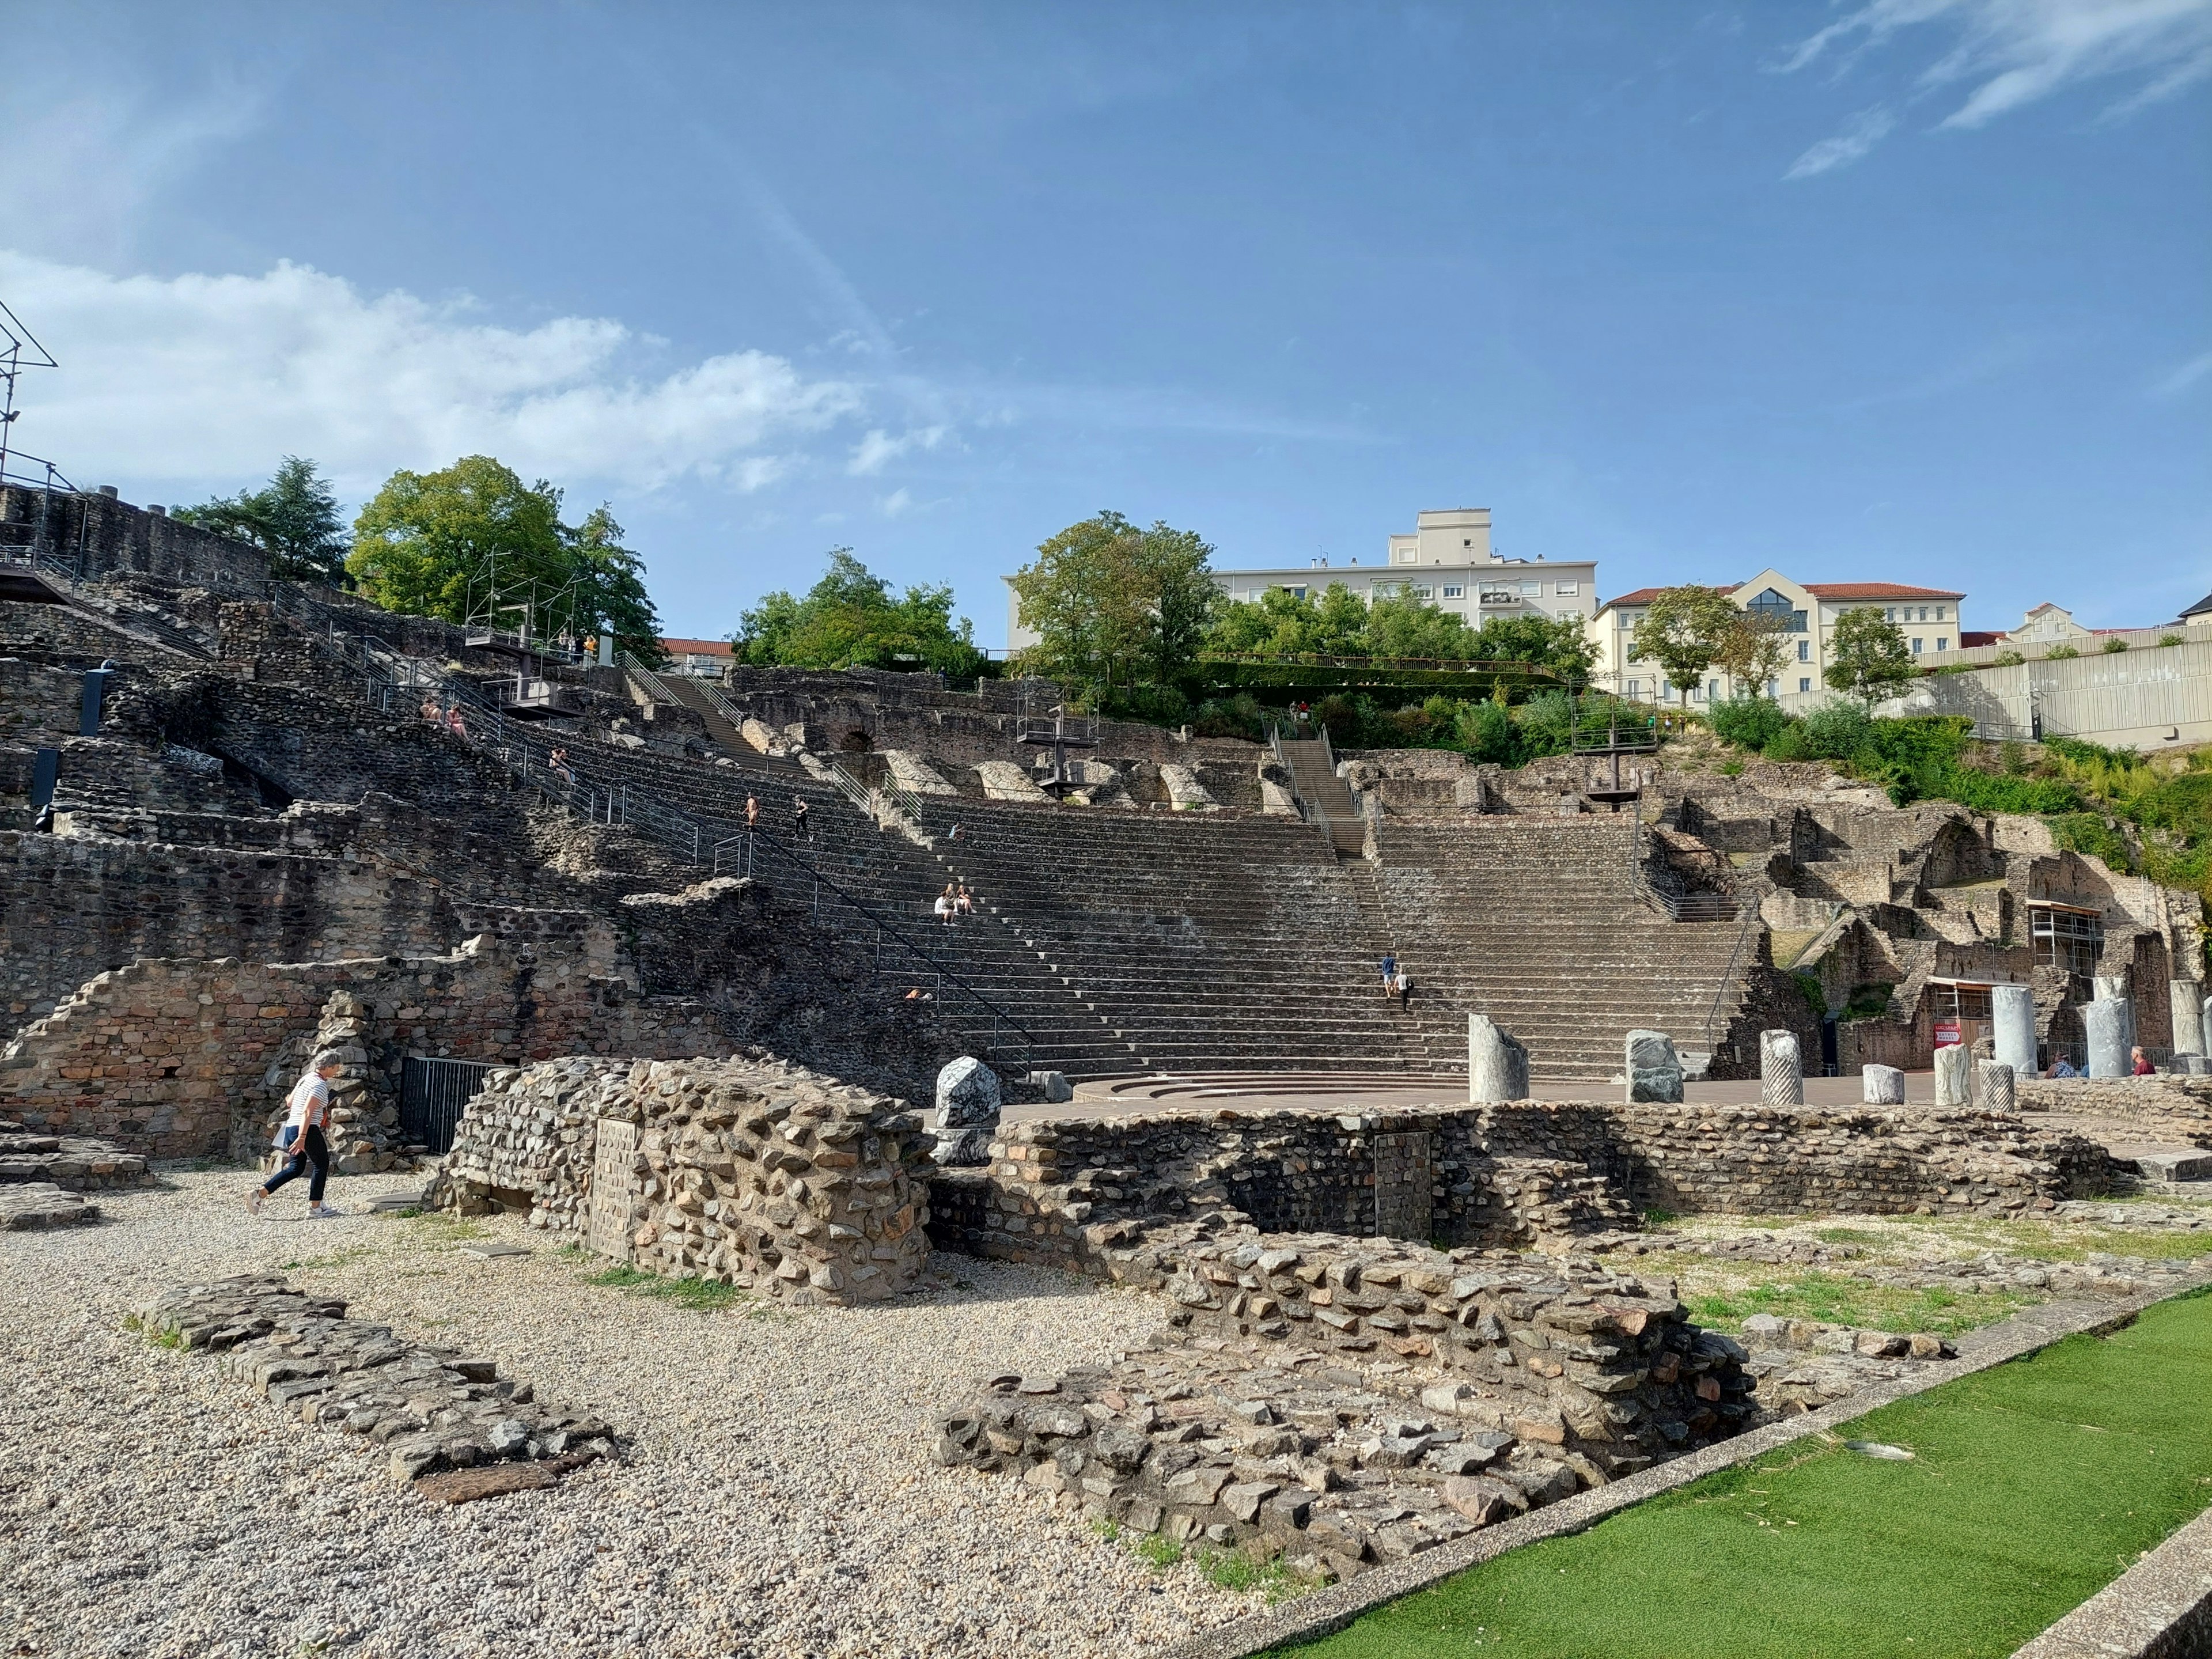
(301, 1139)
(1390, 973)
(798, 816)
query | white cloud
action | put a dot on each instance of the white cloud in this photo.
(1860, 134)
(897, 502)
(2014, 52)
(2178, 380)
(873, 451)
(197, 378)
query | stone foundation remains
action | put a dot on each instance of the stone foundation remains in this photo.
(754, 1172)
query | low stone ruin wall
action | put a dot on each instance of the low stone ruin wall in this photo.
(183, 1059)
(1344, 1402)
(751, 1171)
(1494, 1175)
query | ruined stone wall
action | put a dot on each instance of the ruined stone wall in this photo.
(1061, 1191)
(96, 535)
(174, 1058)
(751, 1171)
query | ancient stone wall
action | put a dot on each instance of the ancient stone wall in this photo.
(751, 1171)
(1061, 1191)
(184, 1059)
(96, 535)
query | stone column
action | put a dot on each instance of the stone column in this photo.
(1497, 1063)
(1654, 1071)
(2012, 1009)
(2110, 1022)
(2207, 1023)
(2186, 998)
(2110, 988)
(1993, 1081)
(1953, 1075)
(1781, 1076)
(1882, 1085)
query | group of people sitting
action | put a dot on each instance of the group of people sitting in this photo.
(2139, 1065)
(449, 718)
(956, 901)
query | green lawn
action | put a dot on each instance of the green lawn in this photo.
(2034, 1485)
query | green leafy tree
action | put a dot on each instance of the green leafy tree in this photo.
(1282, 624)
(1867, 656)
(1561, 644)
(1404, 625)
(1684, 630)
(1754, 649)
(294, 518)
(472, 543)
(851, 619)
(1114, 604)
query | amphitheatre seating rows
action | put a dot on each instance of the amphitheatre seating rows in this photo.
(1536, 922)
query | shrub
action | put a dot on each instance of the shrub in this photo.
(1487, 732)
(1749, 722)
(2169, 639)
(2115, 644)
(2060, 654)
(1788, 743)
(1836, 730)
(2007, 659)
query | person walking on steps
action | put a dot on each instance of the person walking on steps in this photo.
(1389, 972)
(799, 817)
(752, 813)
(302, 1140)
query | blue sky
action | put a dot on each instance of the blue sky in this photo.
(1916, 290)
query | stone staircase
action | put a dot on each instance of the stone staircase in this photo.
(1327, 797)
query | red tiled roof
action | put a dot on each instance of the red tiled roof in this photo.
(696, 648)
(1646, 595)
(1969, 638)
(1877, 591)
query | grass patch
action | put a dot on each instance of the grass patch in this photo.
(1157, 1551)
(1848, 1236)
(311, 1264)
(2033, 1486)
(443, 1231)
(1234, 1571)
(1838, 1300)
(700, 1295)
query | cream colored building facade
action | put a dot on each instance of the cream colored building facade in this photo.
(1807, 612)
(1446, 559)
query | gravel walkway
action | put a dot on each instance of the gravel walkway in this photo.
(781, 1498)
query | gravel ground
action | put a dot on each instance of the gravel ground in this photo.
(779, 1499)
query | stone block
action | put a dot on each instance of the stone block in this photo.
(967, 1095)
(1882, 1086)
(1993, 1086)
(1497, 1063)
(1654, 1069)
(1781, 1075)
(1953, 1075)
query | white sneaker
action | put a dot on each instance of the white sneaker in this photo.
(254, 1200)
(321, 1212)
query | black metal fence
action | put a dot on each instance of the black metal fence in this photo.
(433, 1094)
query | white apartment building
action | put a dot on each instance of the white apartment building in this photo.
(1446, 559)
(1808, 612)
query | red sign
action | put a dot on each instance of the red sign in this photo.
(1946, 1034)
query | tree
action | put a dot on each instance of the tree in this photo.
(1281, 624)
(851, 619)
(1561, 644)
(1867, 656)
(1753, 650)
(473, 543)
(1404, 625)
(294, 518)
(1113, 605)
(1684, 629)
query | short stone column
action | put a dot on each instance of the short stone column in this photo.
(1781, 1074)
(1953, 1075)
(2012, 1010)
(1993, 1086)
(1882, 1086)
(1497, 1063)
(2110, 1022)
(2186, 998)
(1655, 1070)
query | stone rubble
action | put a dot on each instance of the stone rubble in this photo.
(1341, 1402)
(430, 1408)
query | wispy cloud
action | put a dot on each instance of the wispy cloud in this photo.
(200, 378)
(2012, 52)
(2178, 379)
(879, 448)
(1860, 134)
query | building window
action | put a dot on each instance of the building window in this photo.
(1712, 691)
(1942, 643)
(1804, 684)
(1422, 591)
(1804, 651)
(1889, 613)
(1633, 688)
(1916, 647)
(1531, 590)
(1567, 590)
(1295, 593)
(1774, 689)
(1408, 555)
(1771, 606)
(1454, 591)
(1939, 613)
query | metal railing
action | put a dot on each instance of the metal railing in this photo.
(1708, 906)
(1728, 974)
(646, 678)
